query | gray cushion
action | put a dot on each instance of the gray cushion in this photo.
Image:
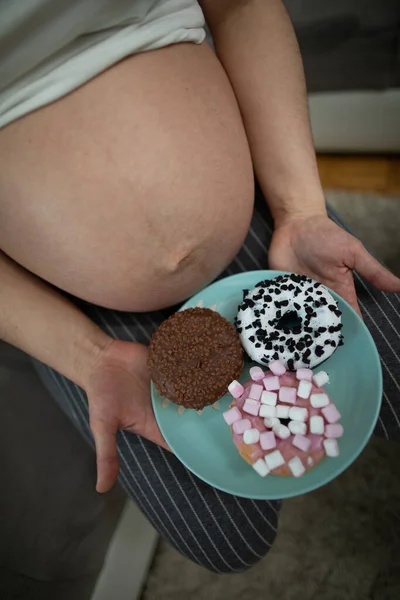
(53, 523)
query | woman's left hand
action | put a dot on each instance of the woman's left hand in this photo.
(317, 247)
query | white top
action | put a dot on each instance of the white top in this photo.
(50, 47)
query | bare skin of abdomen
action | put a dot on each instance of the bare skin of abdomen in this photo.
(135, 190)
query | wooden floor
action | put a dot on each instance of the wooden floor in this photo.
(379, 174)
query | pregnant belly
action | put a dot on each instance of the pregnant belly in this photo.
(137, 188)
(187, 248)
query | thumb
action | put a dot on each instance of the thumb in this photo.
(150, 429)
(374, 272)
(106, 451)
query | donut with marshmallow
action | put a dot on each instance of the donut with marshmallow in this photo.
(284, 423)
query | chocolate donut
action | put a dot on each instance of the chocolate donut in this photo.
(264, 326)
(193, 357)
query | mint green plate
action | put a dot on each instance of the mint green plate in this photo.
(204, 443)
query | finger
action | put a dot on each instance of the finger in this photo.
(106, 452)
(151, 431)
(374, 272)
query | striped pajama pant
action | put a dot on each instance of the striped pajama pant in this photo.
(218, 531)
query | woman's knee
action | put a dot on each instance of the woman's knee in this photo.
(234, 541)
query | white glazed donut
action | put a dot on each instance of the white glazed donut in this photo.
(266, 339)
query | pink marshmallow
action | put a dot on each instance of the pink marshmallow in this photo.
(334, 431)
(241, 426)
(256, 373)
(251, 406)
(288, 395)
(304, 374)
(301, 441)
(331, 413)
(255, 391)
(277, 368)
(267, 440)
(236, 389)
(232, 415)
(271, 383)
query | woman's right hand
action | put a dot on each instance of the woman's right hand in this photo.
(118, 389)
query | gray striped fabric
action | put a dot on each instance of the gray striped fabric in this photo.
(221, 532)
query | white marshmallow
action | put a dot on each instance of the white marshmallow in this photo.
(321, 378)
(304, 389)
(296, 427)
(319, 400)
(260, 466)
(282, 411)
(267, 411)
(270, 422)
(269, 398)
(251, 436)
(281, 431)
(317, 425)
(256, 373)
(296, 466)
(274, 460)
(297, 413)
(310, 461)
(331, 447)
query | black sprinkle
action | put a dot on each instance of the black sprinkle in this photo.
(252, 339)
(319, 351)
